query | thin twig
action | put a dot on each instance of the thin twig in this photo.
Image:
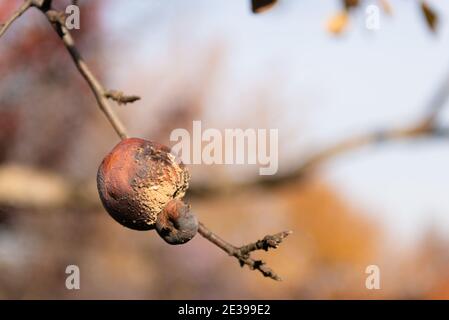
(98, 90)
(270, 241)
(24, 7)
(243, 253)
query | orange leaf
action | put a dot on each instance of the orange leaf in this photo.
(338, 22)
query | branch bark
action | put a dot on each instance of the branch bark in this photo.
(242, 254)
(21, 10)
(57, 20)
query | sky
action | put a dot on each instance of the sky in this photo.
(327, 88)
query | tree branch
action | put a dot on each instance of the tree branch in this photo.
(57, 19)
(24, 7)
(424, 129)
(243, 253)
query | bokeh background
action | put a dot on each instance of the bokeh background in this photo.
(301, 68)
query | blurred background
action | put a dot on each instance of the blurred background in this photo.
(307, 68)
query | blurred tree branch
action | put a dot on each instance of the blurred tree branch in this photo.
(427, 127)
(423, 129)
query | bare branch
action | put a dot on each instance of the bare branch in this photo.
(120, 97)
(243, 253)
(57, 20)
(270, 241)
(24, 7)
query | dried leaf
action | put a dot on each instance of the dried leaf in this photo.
(337, 23)
(348, 4)
(386, 6)
(258, 6)
(430, 15)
